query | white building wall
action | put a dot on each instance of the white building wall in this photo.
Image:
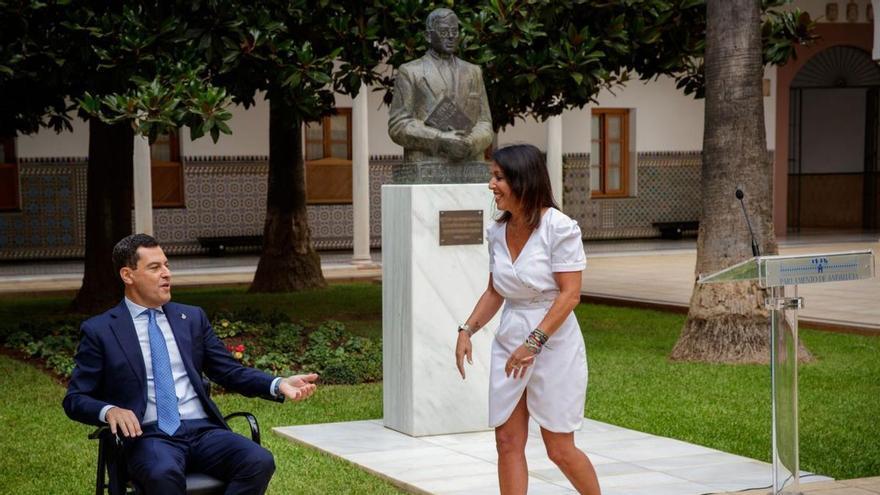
(667, 120)
(250, 131)
(380, 142)
(816, 9)
(770, 107)
(250, 134)
(47, 144)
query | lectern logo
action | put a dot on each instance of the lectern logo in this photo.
(819, 263)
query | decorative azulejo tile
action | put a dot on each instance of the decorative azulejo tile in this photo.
(226, 195)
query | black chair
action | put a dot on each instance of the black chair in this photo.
(112, 477)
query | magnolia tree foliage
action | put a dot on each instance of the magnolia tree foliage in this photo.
(540, 58)
(126, 67)
(124, 61)
(156, 65)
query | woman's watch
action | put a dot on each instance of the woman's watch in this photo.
(464, 327)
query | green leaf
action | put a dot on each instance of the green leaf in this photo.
(293, 80)
(686, 4)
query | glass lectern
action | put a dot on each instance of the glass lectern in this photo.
(779, 276)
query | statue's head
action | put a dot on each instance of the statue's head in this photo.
(442, 31)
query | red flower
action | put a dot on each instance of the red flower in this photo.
(239, 348)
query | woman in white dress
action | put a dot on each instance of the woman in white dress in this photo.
(539, 365)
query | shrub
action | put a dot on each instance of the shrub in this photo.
(327, 348)
(56, 349)
(274, 363)
(342, 358)
(267, 342)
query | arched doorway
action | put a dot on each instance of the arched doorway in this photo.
(834, 109)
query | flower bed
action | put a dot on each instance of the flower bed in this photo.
(267, 342)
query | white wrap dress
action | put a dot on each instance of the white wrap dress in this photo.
(557, 381)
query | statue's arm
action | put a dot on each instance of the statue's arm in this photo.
(403, 127)
(481, 135)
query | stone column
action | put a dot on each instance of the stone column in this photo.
(143, 186)
(876, 5)
(554, 156)
(360, 177)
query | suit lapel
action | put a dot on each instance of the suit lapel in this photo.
(123, 328)
(181, 326)
(432, 78)
(463, 81)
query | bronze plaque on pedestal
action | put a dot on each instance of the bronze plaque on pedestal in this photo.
(460, 227)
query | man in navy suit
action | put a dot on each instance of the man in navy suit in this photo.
(138, 370)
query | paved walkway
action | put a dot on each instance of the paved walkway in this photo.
(628, 462)
(861, 486)
(651, 273)
(665, 278)
(65, 276)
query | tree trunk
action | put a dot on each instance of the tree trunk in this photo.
(727, 322)
(108, 213)
(288, 261)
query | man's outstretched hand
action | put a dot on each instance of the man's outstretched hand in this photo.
(298, 387)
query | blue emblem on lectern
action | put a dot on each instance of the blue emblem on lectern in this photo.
(819, 263)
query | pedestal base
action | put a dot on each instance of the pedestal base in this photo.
(427, 290)
(441, 173)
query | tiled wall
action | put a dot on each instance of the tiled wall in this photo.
(227, 196)
(51, 223)
(668, 190)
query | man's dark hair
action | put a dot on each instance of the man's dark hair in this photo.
(125, 251)
(526, 173)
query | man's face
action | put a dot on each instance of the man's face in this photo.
(149, 284)
(444, 36)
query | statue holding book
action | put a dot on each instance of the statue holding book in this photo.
(440, 113)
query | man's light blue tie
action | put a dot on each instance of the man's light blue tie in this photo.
(166, 399)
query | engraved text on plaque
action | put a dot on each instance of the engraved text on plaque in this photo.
(459, 227)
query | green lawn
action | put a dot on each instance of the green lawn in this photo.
(632, 384)
(727, 407)
(44, 452)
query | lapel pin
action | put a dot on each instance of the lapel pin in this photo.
(183, 316)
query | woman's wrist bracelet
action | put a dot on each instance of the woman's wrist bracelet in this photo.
(532, 346)
(464, 327)
(540, 336)
(536, 340)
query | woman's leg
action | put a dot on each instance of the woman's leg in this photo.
(510, 440)
(573, 463)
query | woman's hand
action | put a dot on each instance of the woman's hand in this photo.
(519, 361)
(463, 348)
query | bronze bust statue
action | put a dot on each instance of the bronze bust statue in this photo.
(440, 112)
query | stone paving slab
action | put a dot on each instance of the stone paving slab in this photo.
(666, 278)
(648, 273)
(860, 486)
(628, 462)
(230, 275)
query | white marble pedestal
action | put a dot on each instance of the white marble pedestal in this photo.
(427, 290)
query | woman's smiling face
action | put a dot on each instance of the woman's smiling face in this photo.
(504, 197)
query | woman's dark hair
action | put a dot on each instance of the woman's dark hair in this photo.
(526, 173)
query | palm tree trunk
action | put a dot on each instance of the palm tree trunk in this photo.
(288, 261)
(108, 213)
(727, 322)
